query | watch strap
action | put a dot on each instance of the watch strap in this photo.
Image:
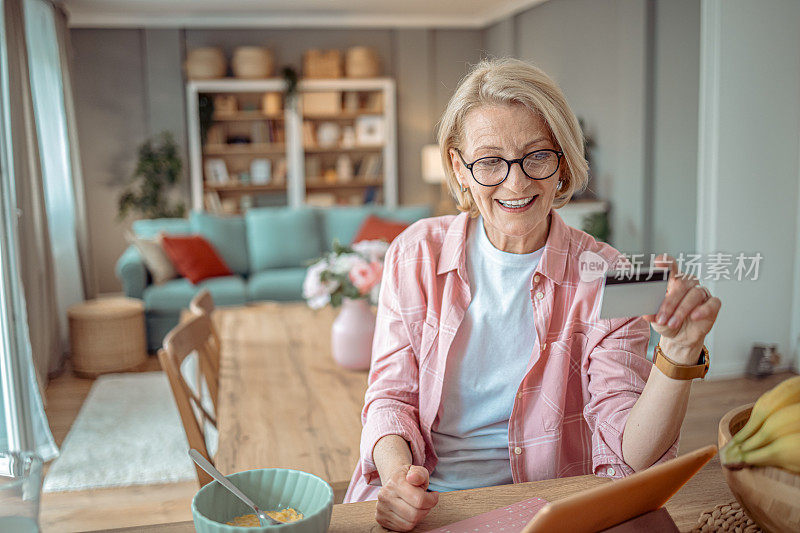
(675, 370)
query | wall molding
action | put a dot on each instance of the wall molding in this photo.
(101, 17)
(708, 134)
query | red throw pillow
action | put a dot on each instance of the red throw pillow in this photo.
(374, 228)
(194, 258)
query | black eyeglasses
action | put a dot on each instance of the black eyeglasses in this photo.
(493, 170)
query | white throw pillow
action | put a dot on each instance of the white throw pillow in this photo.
(154, 257)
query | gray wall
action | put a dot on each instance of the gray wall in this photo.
(630, 69)
(111, 114)
(676, 93)
(129, 85)
(750, 156)
(595, 50)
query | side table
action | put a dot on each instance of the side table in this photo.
(107, 335)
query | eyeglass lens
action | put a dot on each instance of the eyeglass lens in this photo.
(537, 165)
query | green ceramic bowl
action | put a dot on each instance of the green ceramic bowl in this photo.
(272, 489)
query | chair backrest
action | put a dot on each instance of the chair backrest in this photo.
(203, 304)
(191, 336)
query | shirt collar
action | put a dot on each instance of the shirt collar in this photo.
(554, 258)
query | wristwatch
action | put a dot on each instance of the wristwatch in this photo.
(674, 370)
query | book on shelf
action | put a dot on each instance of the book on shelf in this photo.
(369, 168)
(308, 134)
(212, 202)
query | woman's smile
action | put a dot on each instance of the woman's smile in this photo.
(517, 205)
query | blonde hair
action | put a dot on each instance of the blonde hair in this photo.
(512, 81)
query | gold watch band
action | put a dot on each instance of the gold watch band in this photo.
(674, 370)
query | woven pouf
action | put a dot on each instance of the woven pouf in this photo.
(726, 517)
(107, 335)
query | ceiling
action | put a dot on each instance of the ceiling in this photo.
(292, 13)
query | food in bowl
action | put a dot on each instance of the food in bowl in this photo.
(251, 520)
(771, 436)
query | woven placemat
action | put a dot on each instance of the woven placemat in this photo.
(726, 517)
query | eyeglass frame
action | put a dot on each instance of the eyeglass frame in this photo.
(510, 163)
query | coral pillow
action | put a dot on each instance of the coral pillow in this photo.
(194, 258)
(374, 228)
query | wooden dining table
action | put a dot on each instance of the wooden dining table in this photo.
(283, 401)
(704, 491)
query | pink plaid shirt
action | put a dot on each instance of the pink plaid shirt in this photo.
(582, 380)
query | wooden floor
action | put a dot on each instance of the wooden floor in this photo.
(153, 504)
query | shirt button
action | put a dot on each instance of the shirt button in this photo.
(543, 347)
(611, 471)
(518, 450)
(536, 278)
(540, 295)
(519, 395)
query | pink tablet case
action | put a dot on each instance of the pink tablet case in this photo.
(512, 519)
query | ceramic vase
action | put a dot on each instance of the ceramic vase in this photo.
(351, 335)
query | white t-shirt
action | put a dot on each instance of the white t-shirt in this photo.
(485, 366)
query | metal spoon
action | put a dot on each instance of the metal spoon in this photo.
(263, 518)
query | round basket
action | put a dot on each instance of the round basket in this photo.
(770, 496)
(205, 64)
(252, 62)
(362, 62)
(107, 335)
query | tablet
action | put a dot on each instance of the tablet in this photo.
(613, 503)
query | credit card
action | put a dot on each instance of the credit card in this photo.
(634, 292)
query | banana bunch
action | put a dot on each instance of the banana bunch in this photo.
(771, 436)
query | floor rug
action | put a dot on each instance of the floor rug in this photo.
(128, 432)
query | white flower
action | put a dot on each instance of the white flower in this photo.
(372, 250)
(315, 291)
(344, 263)
(374, 293)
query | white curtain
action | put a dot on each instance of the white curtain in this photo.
(24, 424)
(44, 64)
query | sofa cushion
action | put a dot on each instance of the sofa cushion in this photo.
(279, 237)
(277, 284)
(377, 228)
(175, 295)
(228, 236)
(155, 258)
(194, 257)
(149, 228)
(342, 223)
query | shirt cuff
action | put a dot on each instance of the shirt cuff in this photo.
(611, 465)
(385, 420)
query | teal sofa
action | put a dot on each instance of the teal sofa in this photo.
(267, 249)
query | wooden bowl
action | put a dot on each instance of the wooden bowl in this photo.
(770, 496)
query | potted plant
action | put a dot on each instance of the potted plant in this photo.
(157, 171)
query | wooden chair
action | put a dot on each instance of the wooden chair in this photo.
(192, 336)
(203, 304)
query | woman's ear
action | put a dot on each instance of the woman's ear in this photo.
(458, 167)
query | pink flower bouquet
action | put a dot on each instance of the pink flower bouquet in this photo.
(347, 272)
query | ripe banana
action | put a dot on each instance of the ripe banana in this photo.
(786, 393)
(782, 422)
(783, 452)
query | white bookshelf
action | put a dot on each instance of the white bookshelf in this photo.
(295, 149)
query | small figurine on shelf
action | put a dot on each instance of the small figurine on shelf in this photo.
(260, 170)
(344, 168)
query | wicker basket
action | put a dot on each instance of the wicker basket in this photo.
(205, 63)
(362, 62)
(107, 335)
(322, 64)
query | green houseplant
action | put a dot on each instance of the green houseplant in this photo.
(157, 171)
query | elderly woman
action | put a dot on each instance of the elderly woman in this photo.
(489, 363)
